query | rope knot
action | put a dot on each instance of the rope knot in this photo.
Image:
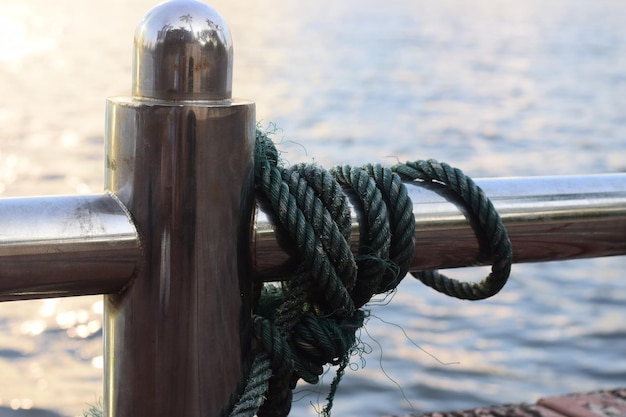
(312, 318)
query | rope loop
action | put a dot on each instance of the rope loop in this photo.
(488, 218)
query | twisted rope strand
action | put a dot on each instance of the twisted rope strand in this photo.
(401, 219)
(375, 235)
(257, 386)
(315, 259)
(280, 358)
(488, 218)
(331, 228)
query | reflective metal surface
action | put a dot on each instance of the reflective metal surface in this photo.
(179, 156)
(65, 245)
(548, 219)
(183, 51)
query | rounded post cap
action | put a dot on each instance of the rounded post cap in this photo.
(182, 51)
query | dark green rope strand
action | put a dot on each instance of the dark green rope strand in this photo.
(282, 189)
(375, 231)
(401, 219)
(256, 387)
(499, 244)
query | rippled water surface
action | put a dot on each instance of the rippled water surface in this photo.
(498, 88)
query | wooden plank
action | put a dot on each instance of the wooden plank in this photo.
(506, 410)
(608, 403)
(595, 404)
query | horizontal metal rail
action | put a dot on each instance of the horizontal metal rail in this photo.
(79, 245)
(548, 219)
(65, 245)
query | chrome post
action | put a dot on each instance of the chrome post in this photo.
(179, 155)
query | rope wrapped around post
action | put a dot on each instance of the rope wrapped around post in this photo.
(311, 319)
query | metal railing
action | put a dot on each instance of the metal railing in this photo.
(173, 245)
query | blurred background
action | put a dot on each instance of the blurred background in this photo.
(497, 88)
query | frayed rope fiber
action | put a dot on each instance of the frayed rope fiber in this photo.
(311, 318)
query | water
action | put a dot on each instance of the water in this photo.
(497, 88)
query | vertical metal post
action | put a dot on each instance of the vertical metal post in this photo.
(180, 157)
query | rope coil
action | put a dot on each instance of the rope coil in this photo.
(311, 319)
(490, 223)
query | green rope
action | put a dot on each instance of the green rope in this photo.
(376, 234)
(255, 389)
(298, 208)
(278, 402)
(488, 218)
(311, 319)
(335, 384)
